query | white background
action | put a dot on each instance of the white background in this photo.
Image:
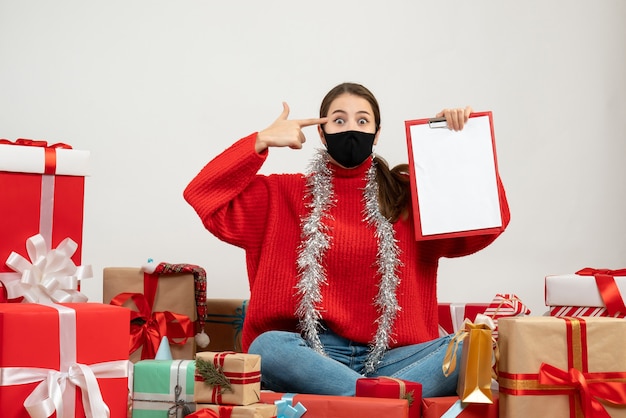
(155, 88)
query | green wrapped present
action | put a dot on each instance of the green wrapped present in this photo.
(163, 388)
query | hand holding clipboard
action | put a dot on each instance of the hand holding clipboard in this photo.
(454, 177)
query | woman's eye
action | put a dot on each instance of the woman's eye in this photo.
(363, 121)
(339, 121)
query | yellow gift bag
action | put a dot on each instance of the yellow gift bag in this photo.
(477, 360)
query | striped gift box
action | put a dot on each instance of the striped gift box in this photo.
(578, 311)
(505, 305)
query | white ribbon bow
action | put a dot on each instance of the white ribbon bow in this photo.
(49, 277)
(47, 397)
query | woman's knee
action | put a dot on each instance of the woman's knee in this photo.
(270, 342)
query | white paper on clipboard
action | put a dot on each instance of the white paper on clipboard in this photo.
(455, 177)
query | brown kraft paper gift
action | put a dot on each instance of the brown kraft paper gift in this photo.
(175, 293)
(562, 367)
(230, 379)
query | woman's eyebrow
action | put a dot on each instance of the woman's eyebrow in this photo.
(345, 113)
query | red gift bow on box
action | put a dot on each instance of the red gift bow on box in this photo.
(50, 151)
(608, 386)
(590, 387)
(605, 280)
(155, 325)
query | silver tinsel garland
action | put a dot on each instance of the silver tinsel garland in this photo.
(316, 240)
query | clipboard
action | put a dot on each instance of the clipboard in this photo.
(454, 178)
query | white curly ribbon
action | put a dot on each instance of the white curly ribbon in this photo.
(316, 241)
(49, 276)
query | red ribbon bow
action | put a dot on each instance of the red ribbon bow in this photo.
(590, 387)
(609, 292)
(155, 325)
(35, 143)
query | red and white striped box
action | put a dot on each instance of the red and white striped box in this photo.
(505, 305)
(577, 311)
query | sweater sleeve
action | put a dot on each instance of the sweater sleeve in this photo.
(461, 246)
(230, 197)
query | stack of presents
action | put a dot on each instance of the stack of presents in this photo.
(157, 347)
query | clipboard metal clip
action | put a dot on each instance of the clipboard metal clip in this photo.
(437, 123)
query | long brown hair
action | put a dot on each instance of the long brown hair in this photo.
(393, 184)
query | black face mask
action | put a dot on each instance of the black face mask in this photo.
(350, 148)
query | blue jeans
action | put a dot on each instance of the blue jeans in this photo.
(288, 364)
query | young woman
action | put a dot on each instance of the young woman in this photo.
(340, 288)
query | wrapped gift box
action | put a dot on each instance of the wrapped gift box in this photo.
(174, 293)
(501, 306)
(42, 191)
(452, 405)
(505, 305)
(241, 374)
(255, 410)
(323, 406)
(588, 292)
(387, 387)
(76, 338)
(560, 367)
(452, 315)
(155, 388)
(224, 323)
(577, 311)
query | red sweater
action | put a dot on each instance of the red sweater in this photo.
(262, 214)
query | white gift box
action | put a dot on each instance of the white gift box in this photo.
(577, 290)
(32, 159)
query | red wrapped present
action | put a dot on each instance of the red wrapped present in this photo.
(588, 292)
(70, 358)
(42, 192)
(323, 406)
(388, 387)
(255, 410)
(451, 406)
(452, 315)
(562, 367)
